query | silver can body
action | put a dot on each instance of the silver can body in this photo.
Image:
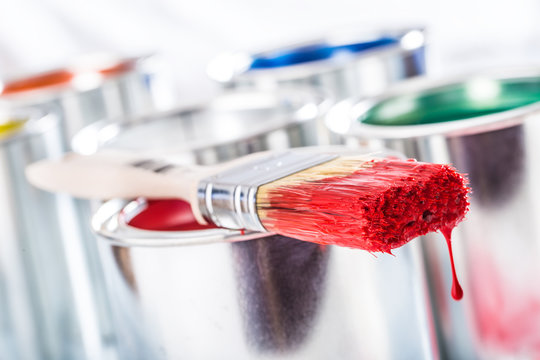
(51, 291)
(388, 57)
(214, 294)
(487, 126)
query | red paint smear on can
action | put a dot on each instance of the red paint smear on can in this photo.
(506, 307)
(167, 215)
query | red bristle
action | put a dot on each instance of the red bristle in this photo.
(376, 208)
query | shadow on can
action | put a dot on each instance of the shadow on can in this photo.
(281, 285)
(494, 163)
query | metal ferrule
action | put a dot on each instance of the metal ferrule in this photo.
(228, 199)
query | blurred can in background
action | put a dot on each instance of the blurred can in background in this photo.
(180, 290)
(91, 88)
(344, 64)
(486, 125)
(49, 308)
(236, 123)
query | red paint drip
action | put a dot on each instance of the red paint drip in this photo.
(457, 291)
(167, 215)
(379, 207)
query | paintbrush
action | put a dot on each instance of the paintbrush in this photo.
(366, 202)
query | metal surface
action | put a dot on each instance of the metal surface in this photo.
(90, 89)
(50, 307)
(346, 64)
(487, 126)
(229, 198)
(211, 294)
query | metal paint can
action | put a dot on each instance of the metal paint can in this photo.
(344, 64)
(235, 123)
(214, 293)
(180, 291)
(487, 126)
(51, 306)
(90, 88)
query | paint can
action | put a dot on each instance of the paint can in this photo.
(344, 64)
(176, 291)
(486, 125)
(180, 291)
(51, 306)
(90, 88)
(235, 123)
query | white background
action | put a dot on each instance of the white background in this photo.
(37, 35)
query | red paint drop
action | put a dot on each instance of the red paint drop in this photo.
(167, 215)
(457, 291)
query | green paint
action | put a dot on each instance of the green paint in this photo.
(455, 102)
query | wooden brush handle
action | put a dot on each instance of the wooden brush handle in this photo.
(117, 175)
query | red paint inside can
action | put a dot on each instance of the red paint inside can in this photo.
(167, 215)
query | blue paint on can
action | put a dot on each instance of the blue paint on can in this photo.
(314, 52)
